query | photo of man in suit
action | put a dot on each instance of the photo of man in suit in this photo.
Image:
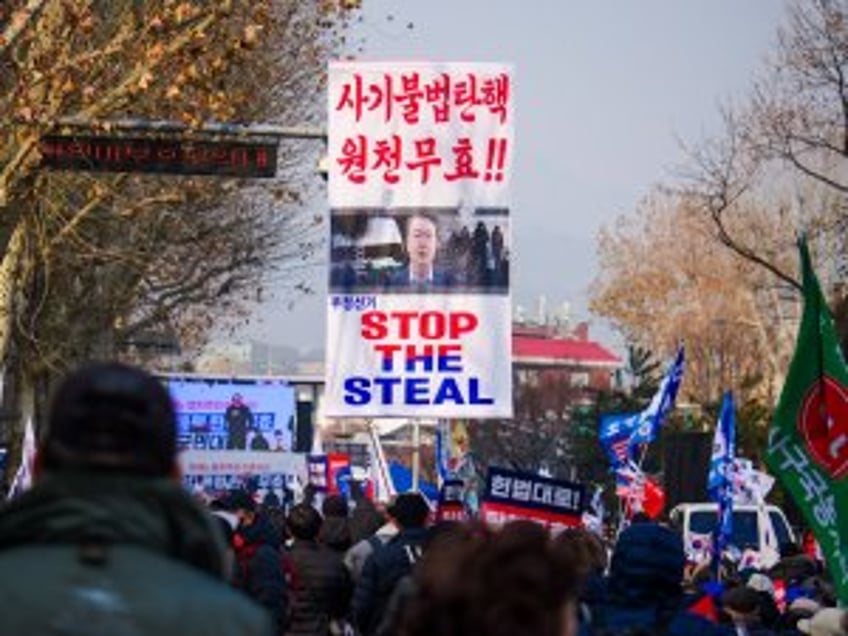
(421, 243)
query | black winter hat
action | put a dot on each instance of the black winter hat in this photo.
(410, 510)
(741, 599)
(114, 417)
(239, 500)
(334, 506)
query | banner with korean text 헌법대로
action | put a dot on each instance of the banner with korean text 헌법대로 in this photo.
(419, 157)
(511, 495)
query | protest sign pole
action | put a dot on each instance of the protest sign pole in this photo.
(383, 478)
(415, 333)
(416, 453)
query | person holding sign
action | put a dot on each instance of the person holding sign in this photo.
(421, 242)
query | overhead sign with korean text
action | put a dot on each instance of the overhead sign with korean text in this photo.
(158, 156)
(420, 160)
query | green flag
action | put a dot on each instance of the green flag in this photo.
(808, 440)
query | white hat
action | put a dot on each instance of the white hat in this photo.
(826, 622)
(761, 583)
(804, 604)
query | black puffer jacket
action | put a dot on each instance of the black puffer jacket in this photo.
(319, 588)
(259, 569)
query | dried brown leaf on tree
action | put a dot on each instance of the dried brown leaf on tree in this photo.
(154, 253)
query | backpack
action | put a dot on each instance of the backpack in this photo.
(402, 591)
(375, 542)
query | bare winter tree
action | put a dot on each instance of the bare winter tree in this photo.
(91, 261)
(538, 437)
(786, 150)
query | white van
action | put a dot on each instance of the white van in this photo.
(762, 529)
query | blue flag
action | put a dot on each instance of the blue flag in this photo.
(620, 434)
(652, 417)
(720, 480)
(615, 435)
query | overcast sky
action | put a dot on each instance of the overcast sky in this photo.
(605, 91)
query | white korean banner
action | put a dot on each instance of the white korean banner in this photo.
(419, 316)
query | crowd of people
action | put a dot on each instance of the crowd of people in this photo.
(108, 542)
(479, 256)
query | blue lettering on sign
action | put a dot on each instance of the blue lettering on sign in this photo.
(356, 391)
(449, 392)
(388, 385)
(425, 361)
(474, 393)
(387, 390)
(416, 391)
(450, 363)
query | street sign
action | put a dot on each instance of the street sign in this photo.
(160, 156)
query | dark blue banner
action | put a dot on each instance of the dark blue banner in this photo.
(529, 490)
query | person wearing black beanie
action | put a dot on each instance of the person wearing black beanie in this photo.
(107, 540)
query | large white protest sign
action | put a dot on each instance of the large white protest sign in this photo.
(420, 158)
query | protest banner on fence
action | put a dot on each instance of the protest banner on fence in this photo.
(512, 495)
(223, 414)
(419, 319)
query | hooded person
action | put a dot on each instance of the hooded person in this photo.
(365, 519)
(794, 566)
(107, 541)
(644, 592)
(375, 530)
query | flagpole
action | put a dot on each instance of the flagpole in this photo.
(640, 477)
